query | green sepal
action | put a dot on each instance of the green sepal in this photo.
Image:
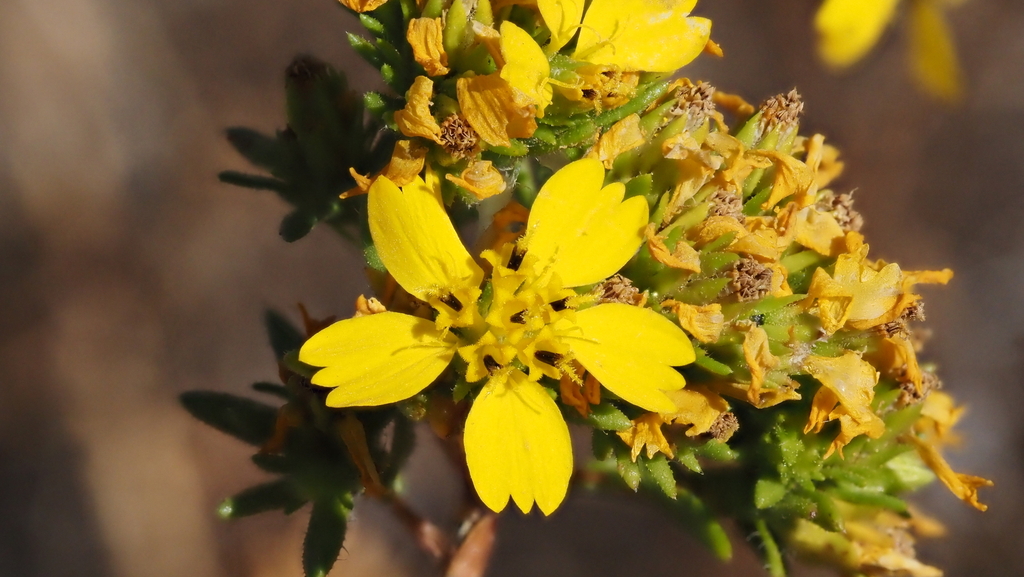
(709, 364)
(296, 225)
(372, 25)
(245, 419)
(280, 494)
(628, 469)
(325, 535)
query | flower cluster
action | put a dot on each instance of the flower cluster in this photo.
(698, 295)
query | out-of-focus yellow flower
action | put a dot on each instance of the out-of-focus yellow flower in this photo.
(939, 414)
(848, 29)
(847, 389)
(517, 444)
(481, 179)
(416, 119)
(424, 35)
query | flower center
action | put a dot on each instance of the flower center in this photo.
(528, 313)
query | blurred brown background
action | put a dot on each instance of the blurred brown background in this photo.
(128, 275)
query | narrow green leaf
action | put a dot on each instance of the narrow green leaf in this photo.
(658, 472)
(366, 49)
(770, 550)
(252, 181)
(695, 517)
(296, 225)
(767, 493)
(280, 494)
(275, 389)
(608, 417)
(245, 419)
(324, 537)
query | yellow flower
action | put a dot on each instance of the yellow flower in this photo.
(646, 433)
(489, 104)
(578, 233)
(363, 5)
(962, 485)
(481, 179)
(848, 29)
(650, 35)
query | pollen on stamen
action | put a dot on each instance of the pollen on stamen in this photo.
(453, 302)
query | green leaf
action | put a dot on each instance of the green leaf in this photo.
(658, 472)
(259, 149)
(608, 417)
(767, 493)
(274, 389)
(602, 444)
(911, 473)
(628, 469)
(279, 494)
(284, 337)
(372, 25)
(366, 49)
(689, 459)
(245, 419)
(296, 225)
(709, 364)
(696, 518)
(770, 550)
(324, 536)
(252, 181)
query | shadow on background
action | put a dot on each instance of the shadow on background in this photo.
(128, 275)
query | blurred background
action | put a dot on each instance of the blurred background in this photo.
(128, 274)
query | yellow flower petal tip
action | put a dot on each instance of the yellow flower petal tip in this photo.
(848, 29)
(518, 446)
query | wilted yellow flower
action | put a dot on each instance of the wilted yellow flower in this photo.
(363, 5)
(489, 104)
(517, 444)
(856, 293)
(624, 135)
(646, 433)
(849, 382)
(481, 179)
(759, 360)
(697, 406)
(684, 257)
(424, 35)
(963, 486)
(416, 119)
(704, 322)
(407, 161)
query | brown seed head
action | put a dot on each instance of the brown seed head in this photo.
(724, 427)
(750, 280)
(841, 207)
(457, 137)
(618, 289)
(696, 101)
(782, 111)
(726, 203)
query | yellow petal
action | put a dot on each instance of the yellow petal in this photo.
(562, 18)
(759, 359)
(697, 406)
(415, 118)
(526, 68)
(489, 105)
(685, 257)
(631, 350)
(852, 381)
(818, 231)
(651, 35)
(377, 359)
(911, 278)
(792, 178)
(517, 445)
(963, 486)
(424, 36)
(582, 232)
(416, 240)
(406, 163)
(847, 29)
(646, 433)
(768, 397)
(623, 136)
(705, 322)
(833, 300)
(932, 54)
(481, 179)
(363, 5)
